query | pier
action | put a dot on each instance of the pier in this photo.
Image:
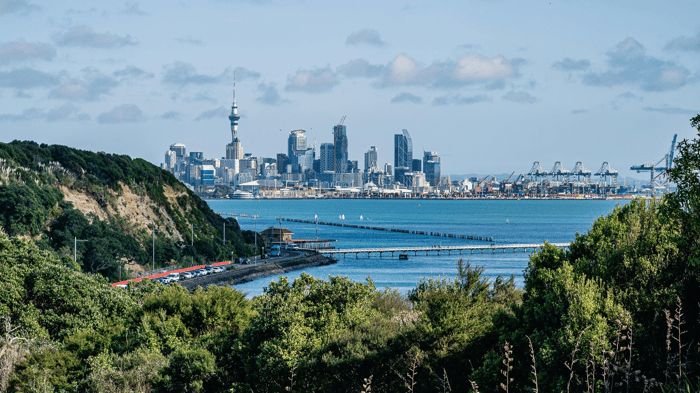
(397, 230)
(489, 248)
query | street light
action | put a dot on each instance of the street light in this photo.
(75, 248)
(192, 263)
(154, 249)
(256, 236)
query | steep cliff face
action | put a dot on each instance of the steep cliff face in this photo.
(57, 195)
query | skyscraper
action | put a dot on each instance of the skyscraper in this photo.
(327, 153)
(431, 168)
(340, 143)
(296, 143)
(371, 159)
(403, 155)
(234, 150)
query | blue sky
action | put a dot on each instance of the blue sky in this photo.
(491, 85)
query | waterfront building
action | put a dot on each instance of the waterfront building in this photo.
(403, 151)
(371, 159)
(388, 169)
(327, 153)
(234, 150)
(431, 167)
(340, 143)
(207, 173)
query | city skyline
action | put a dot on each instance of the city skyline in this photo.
(492, 86)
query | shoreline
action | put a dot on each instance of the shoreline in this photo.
(246, 273)
(563, 198)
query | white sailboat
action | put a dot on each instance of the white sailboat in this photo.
(361, 218)
(342, 217)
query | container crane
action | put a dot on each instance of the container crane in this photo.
(658, 173)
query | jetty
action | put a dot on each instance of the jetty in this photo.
(436, 250)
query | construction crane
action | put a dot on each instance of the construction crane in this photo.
(659, 174)
(506, 186)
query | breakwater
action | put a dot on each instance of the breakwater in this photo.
(398, 230)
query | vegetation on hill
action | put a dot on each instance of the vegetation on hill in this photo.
(35, 180)
(616, 312)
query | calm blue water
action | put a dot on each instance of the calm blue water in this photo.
(511, 221)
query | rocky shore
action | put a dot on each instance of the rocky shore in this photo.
(245, 273)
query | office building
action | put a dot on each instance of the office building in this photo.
(296, 143)
(417, 167)
(327, 154)
(340, 143)
(403, 154)
(371, 159)
(431, 168)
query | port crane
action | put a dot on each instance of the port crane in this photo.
(659, 173)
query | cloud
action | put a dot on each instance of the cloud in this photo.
(22, 50)
(91, 87)
(406, 97)
(127, 113)
(26, 115)
(318, 80)
(269, 95)
(219, 112)
(201, 96)
(405, 71)
(579, 111)
(243, 74)
(189, 40)
(365, 36)
(27, 78)
(685, 44)
(568, 64)
(63, 112)
(521, 97)
(360, 68)
(171, 115)
(183, 74)
(22, 94)
(84, 37)
(629, 65)
(132, 9)
(470, 46)
(672, 110)
(18, 6)
(132, 72)
(457, 99)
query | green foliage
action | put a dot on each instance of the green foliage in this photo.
(321, 334)
(25, 208)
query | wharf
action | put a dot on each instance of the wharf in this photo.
(438, 249)
(398, 230)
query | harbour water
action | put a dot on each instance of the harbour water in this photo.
(506, 221)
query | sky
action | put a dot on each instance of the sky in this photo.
(490, 85)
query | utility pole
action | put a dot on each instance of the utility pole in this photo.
(154, 249)
(255, 217)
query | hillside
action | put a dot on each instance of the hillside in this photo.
(112, 203)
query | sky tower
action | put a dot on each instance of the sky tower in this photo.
(234, 150)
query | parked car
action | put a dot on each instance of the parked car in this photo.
(202, 272)
(186, 275)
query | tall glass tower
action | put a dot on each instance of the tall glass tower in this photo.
(403, 154)
(340, 142)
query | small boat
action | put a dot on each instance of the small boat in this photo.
(361, 218)
(342, 217)
(403, 257)
(507, 222)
